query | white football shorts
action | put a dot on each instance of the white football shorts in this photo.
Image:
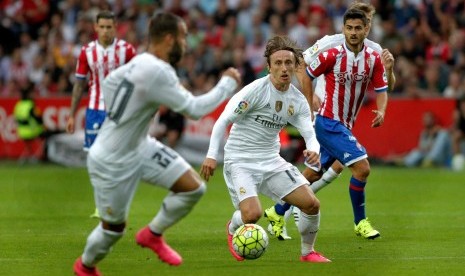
(115, 184)
(246, 180)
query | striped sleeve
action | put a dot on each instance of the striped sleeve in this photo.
(82, 66)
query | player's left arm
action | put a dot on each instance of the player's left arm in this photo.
(381, 103)
(130, 53)
(388, 62)
(301, 121)
(380, 84)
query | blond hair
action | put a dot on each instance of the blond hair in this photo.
(367, 8)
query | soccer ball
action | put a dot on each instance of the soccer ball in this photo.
(250, 241)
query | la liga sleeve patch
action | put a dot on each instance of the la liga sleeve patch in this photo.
(241, 107)
(315, 64)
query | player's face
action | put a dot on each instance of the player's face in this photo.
(282, 67)
(179, 46)
(106, 31)
(354, 32)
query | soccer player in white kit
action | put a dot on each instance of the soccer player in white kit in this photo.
(97, 59)
(322, 45)
(252, 163)
(123, 154)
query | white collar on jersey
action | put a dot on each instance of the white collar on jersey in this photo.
(348, 49)
(112, 45)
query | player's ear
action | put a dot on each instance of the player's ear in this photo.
(169, 39)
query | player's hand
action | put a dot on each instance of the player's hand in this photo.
(379, 118)
(388, 59)
(233, 73)
(70, 125)
(208, 168)
(311, 157)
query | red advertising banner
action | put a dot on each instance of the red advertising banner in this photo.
(55, 114)
(399, 134)
(402, 124)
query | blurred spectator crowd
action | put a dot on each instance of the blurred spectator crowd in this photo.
(40, 40)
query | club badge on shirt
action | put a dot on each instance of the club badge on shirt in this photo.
(290, 110)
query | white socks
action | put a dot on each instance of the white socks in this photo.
(236, 221)
(175, 207)
(325, 180)
(98, 245)
(308, 227)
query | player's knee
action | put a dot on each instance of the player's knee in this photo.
(250, 216)
(200, 191)
(364, 172)
(192, 197)
(361, 169)
(118, 227)
(188, 182)
(310, 207)
(311, 175)
(337, 167)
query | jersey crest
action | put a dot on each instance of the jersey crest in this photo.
(290, 110)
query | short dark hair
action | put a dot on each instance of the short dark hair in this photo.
(163, 23)
(278, 43)
(355, 14)
(105, 15)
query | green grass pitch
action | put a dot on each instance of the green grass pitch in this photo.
(44, 222)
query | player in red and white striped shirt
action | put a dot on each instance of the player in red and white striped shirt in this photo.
(97, 59)
(348, 69)
(347, 77)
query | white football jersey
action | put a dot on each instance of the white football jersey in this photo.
(132, 95)
(258, 113)
(324, 44)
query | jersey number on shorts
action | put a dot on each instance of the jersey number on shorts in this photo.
(120, 100)
(164, 157)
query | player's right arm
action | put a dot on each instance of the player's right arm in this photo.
(209, 164)
(323, 44)
(78, 87)
(237, 107)
(319, 66)
(82, 68)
